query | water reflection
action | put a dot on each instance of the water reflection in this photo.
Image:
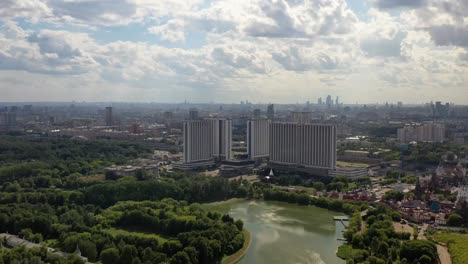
(286, 233)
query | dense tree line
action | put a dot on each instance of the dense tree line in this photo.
(191, 188)
(305, 199)
(35, 256)
(380, 243)
(52, 160)
(204, 237)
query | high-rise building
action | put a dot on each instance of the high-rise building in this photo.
(193, 114)
(430, 132)
(440, 110)
(301, 117)
(258, 138)
(303, 145)
(168, 115)
(207, 139)
(271, 112)
(329, 101)
(109, 118)
(257, 113)
(8, 119)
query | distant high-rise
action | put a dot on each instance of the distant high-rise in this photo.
(440, 110)
(319, 101)
(109, 118)
(337, 102)
(257, 113)
(304, 145)
(258, 138)
(271, 112)
(301, 117)
(329, 101)
(207, 139)
(193, 114)
(168, 115)
(8, 119)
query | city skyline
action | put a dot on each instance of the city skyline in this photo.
(228, 51)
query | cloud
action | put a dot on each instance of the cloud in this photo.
(48, 52)
(282, 19)
(304, 59)
(234, 49)
(382, 35)
(447, 35)
(172, 31)
(388, 4)
(30, 9)
(463, 56)
(104, 12)
(383, 47)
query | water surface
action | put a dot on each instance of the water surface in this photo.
(285, 233)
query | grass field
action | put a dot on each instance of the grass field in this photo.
(457, 245)
(234, 258)
(115, 232)
(345, 252)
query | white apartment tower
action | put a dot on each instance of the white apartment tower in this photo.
(258, 138)
(207, 139)
(305, 145)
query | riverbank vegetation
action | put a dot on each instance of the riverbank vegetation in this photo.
(348, 207)
(380, 243)
(234, 258)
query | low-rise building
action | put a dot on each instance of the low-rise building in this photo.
(130, 170)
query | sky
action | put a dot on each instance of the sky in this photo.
(282, 51)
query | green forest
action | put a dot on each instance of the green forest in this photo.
(45, 200)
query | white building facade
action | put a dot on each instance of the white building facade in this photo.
(207, 139)
(258, 138)
(308, 145)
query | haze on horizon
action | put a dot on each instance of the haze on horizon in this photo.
(283, 51)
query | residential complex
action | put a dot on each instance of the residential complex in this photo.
(305, 145)
(430, 132)
(207, 139)
(258, 138)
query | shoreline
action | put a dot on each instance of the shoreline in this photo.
(236, 257)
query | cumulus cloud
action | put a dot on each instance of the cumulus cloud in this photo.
(383, 47)
(30, 9)
(282, 19)
(446, 35)
(304, 59)
(242, 48)
(51, 52)
(95, 11)
(173, 31)
(388, 4)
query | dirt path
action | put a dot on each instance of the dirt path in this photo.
(444, 255)
(442, 251)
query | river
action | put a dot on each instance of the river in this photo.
(285, 233)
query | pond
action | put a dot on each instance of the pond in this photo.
(285, 233)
